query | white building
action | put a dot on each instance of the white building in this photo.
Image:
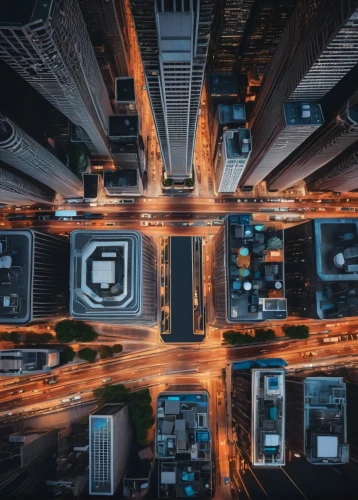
(110, 441)
(25, 361)
(231, 159)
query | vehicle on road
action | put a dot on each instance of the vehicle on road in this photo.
(75, 398)
(347, 209)
(329, 340)
(146, 216)
(263, 351)
(15, 217)
(110, 223)
(106, 380)
(217, 223)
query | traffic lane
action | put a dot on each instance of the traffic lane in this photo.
(270, 483)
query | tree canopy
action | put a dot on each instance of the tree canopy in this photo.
(88, 354)
(297, 331)
(69, 330)
(238, 338)
(263, 335)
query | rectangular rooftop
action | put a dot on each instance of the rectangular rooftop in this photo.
(231, 113)
(298, 114)
(325, 420)
(255, 271)
(268, 417)
(237, 143)
(16, 263)
(182, 430)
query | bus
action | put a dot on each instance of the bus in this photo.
(65, 214)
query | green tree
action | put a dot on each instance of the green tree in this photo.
(296, 331)
(238, 338)
(112, 394)
(14, 337)
(117, 348)
(274, 243)
(88, 354)
(262, 335)
(77, 158)
(68, 330)
(105, 352)
(69, 354)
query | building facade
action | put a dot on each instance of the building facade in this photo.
(339, 131)
(49, 46)
(113, 277)
(20, 151)
(173, 39)
(258, 412)
(232, 156)
(299, 121)
(126, 143)
(16, 189)
(34, 276)
(317, 419)
(110, 441)
(263, 32)
(305, 43)
(248, 282)
(230, 20)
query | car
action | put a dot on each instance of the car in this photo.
(217, 223)
(88, 223)
(317, 201)
(263, 351)
(208, 223)
(347, 209)
(144, 223)
(35, 390)
(146, 216)
(21, 391)
(321, 209)
(110, 223)
(8, 414)
(283, 209)
(219, 402)
(313, 209)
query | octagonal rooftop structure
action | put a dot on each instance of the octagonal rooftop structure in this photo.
(113, 277)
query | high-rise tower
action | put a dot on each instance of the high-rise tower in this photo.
(173, 38)
(312, 57)
(228, 30)
(48, 45)
(17, 189)
(20, 151)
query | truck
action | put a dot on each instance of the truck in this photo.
(329, 340)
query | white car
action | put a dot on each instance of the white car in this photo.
(144, 223)
(146, 216)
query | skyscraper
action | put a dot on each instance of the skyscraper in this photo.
(20, 151)
(17, 189)
(105, 22)
(34, 276)
(173, 38)
(228, 31)
(263, 32)
(110, 441)
(113, 277)
(309, 61)
(297, 122)
(338, 133)
(48, 45)
(340, 174)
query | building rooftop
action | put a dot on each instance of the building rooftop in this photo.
(125, 92)
(182, 429)
(28, 360)
(90, 185)
(237, 143)
(121, 178)
(183, 444)
(223, 84)
(298, 114)
(106, 274)
(123, 126)
(231, 113)
(19, 13)
(16, 250)
(336, 255)
(268, 419)
(255, 271)
(325, 420)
